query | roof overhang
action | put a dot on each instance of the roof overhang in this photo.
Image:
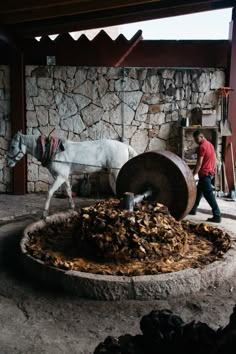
(30, 18)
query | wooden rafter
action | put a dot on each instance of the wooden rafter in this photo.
(60, 16)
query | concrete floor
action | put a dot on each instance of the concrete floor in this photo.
(37, 320)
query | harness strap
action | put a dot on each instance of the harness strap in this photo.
(47, 148)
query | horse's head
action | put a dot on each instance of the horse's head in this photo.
(16, 150)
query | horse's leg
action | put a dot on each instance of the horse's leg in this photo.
(56, 184)
(112, 179)
(69, 193)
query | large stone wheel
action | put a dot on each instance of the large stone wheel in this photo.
(166, 174)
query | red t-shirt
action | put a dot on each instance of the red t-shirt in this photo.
(207, 151)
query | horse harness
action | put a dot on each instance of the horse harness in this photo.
(19, 154)
(47, 148)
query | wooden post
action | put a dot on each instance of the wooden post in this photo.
(232, 102)
(17, 73)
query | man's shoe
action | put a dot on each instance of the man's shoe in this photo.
(216, 219)
(193, 212)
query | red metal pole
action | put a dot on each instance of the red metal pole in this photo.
(232, 102)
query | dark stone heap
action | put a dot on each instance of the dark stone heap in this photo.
(166, 333)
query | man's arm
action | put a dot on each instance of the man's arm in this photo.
(198, 165)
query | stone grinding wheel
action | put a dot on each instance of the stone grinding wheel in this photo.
(166, 174)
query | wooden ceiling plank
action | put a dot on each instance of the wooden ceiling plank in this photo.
(56, 11)
(53, 9)
(111, 18)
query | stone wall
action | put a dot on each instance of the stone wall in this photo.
(5, 129)
(84, 103)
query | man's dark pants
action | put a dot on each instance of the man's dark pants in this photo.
(204, 188)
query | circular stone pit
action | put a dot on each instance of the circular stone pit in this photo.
(117, 287)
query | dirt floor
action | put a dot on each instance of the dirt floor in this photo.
(34, 319)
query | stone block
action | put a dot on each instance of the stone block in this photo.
(42, 115)
(132, 99)
(142, 74)
(157, 119)
(41, 187)
(29, 69)
(217, 79)
(114, 73)
(157, 144)
(69, 85)
(44, 175)
(92, 114)
(111, 85)
(122, 110)
(44, 98)
(155, 108)
(179, 94)
(164, 132)
(169, 107)
(102, 70)
(92, 73)
(164, 285)
(66, 105)
(141, 113)
(140, 140)
(168, 74)
(70, 72)
(127, 84)
(32, 172)
(60, 72)
(210, 99)
(30, 187)
(4, 144)
(29, 104)
(129, 131)
(194, 98)
(102, 130)
(54, 118)
(42, 71)
(31, 119)
(80, 76)
(109, 101)
(7, 175)
(81, 101)
(204, 82)
(31, 87)
(178, 79)
(175, 116)
(87, 89)
(188, 92)
(102, 85)
(73, 124)
(133, 73)
(106, 117)
(5, 107)
(151, 84)
(45, 83)
(152, 99)
(182, 104)
(169, 117)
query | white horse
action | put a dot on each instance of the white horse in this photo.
(77, 158)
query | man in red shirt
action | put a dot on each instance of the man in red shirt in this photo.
(205, 168)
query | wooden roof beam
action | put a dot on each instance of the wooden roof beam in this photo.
(121, 15)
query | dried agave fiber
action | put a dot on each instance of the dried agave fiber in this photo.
(108, 240)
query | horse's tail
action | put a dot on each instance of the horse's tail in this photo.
(132, 152)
